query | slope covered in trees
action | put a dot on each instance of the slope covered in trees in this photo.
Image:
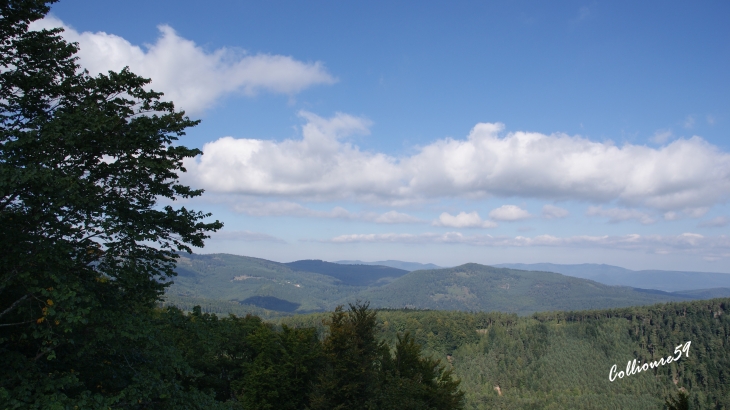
(409, 266)
(560, 360)
(352, 274)
(248, 364)
(666, 280)
(484, 288)
(237, 284)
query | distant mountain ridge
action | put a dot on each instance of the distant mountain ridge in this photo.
(240, 284)
(355, 275)
(669, 281)
(409, 266)
(474, 287)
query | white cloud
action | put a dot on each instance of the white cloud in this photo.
(661, 136)
(620, 215)
(463, 220)
(319, 166)
(554, 212)
(717, 222)
(188, 75)
(509, 213)
(393, 217)
(287, 208)
(689, 122)
(246, 236)
(682, 175)
(711, 248)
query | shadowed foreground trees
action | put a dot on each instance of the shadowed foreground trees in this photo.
(361, 373)
(86, 250)
(252, 365)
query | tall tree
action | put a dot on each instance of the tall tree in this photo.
(360, 372)
(353, 357)
(281, 375)
(86, 249)
(416, 382)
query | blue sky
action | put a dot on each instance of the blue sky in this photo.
(579, 132)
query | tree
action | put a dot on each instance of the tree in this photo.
(351, 376)
(680, 403)
(281, 375)
(417, 382)
(86, 249)
(360, 372)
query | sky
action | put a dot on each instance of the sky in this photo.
(442, 132)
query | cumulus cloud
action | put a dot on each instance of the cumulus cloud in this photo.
(615, 215)
(554, 212)
(686, 174)
(509, 213)
(463, 220)
(287, 208)
(319, 166)
(189, 75)
(709, 247)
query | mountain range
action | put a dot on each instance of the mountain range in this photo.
(409, 266)
(240, 284)
(669, 281)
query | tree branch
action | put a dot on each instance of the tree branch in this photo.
(17, 302)
(44, 352)
(15, 324)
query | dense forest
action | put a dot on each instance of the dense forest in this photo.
(558, 360)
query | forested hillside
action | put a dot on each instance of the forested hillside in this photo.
(222, 283)
(353, 274)
(561, 360)
(666, 280)
(484, 288)
(245, 281)
(409, 266)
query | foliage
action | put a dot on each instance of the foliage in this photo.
(85, 249)
(353, 361)
(356, 275)
(281, 375)
(680, 403)
(558, 360)
(246, 363)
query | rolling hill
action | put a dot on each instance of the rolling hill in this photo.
(670, 281)
(238, 284)
(352, 274)
(409, 266)
(474, 287)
